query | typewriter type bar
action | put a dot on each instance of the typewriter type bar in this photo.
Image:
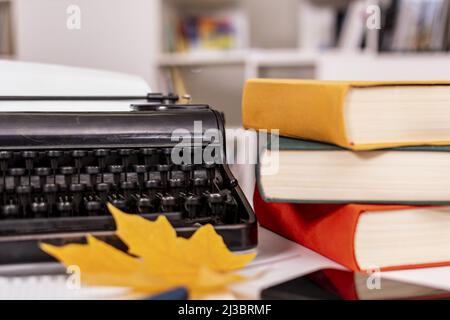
(58, 170)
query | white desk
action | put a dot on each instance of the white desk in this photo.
(278, 260)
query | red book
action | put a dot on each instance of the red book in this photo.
(364, 237)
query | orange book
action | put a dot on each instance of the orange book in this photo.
(364, 237)
(352, 114)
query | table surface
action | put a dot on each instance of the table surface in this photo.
(278, 260)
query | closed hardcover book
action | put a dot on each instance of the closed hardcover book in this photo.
(351, 114)
(363, 236)
(314, 172)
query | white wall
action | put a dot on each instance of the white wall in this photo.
(117, 35)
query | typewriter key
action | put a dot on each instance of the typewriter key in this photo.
(78, 155)
(116, 170)
(10, 211)
(188, 170)
(144, 205)
(163, 171)
(24, 195)
(176, 186)
(50, 191)
(168, 203)
(29, 157)
(4, 157)
(64, 206)
(153, 186)
(54, 155)
(215, 202)
(140, 170)
(42, 173)
(67, 172)
(193, 206)
(101, 155)
(103, 190)
(39, 208)
(149, 156)
(93, 172)
(119, 204)
(128, 187)
(211, 173)
(17, 173)
(200, 186)
(93, 207)
(125, 155)
(167, 153)
(77, 190)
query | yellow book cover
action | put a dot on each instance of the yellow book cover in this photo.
(386, 114)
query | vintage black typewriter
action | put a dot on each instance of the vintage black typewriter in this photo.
(59, 169)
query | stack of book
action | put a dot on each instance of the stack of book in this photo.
(363, 169)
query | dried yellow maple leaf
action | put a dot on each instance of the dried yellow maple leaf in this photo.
(160, 260)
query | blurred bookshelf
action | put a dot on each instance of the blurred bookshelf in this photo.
(6, 30)
(296, 39)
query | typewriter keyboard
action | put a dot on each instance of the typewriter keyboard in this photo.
(63, 184)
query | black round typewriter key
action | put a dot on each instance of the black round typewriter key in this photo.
(67, 172)
(140, 170)
(17, 173)
(163, 171)
(168, 203)
(4, 157)
(78, 156)
(153, 186)
(149, 156)
(200, 185)
(128, 187)
(77, 190)
(93, 207)
(79, 153)
(215, 202)
(64, 206)
(167, 152)
(144, 205)
(42, 173)
(119, 204)
(116, 170)
(10, 211)
(211, 172)
(50, 191)
(125, 154)
(93, 172)
(54, 155)
(188, 170)
(39, 209)
(193, 206)
(29, 154)
(29, 157)
(176, 186)
(101, 155)
(103, 190)
(24, 195)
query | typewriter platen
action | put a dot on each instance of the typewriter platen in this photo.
(59, 169)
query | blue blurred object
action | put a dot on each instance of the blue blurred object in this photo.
(174, 294)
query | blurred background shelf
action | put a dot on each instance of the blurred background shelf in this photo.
(208, 48)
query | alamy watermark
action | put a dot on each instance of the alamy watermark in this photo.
(73, 21)
(242, 147)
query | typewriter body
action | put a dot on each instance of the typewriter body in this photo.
(59, 169)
